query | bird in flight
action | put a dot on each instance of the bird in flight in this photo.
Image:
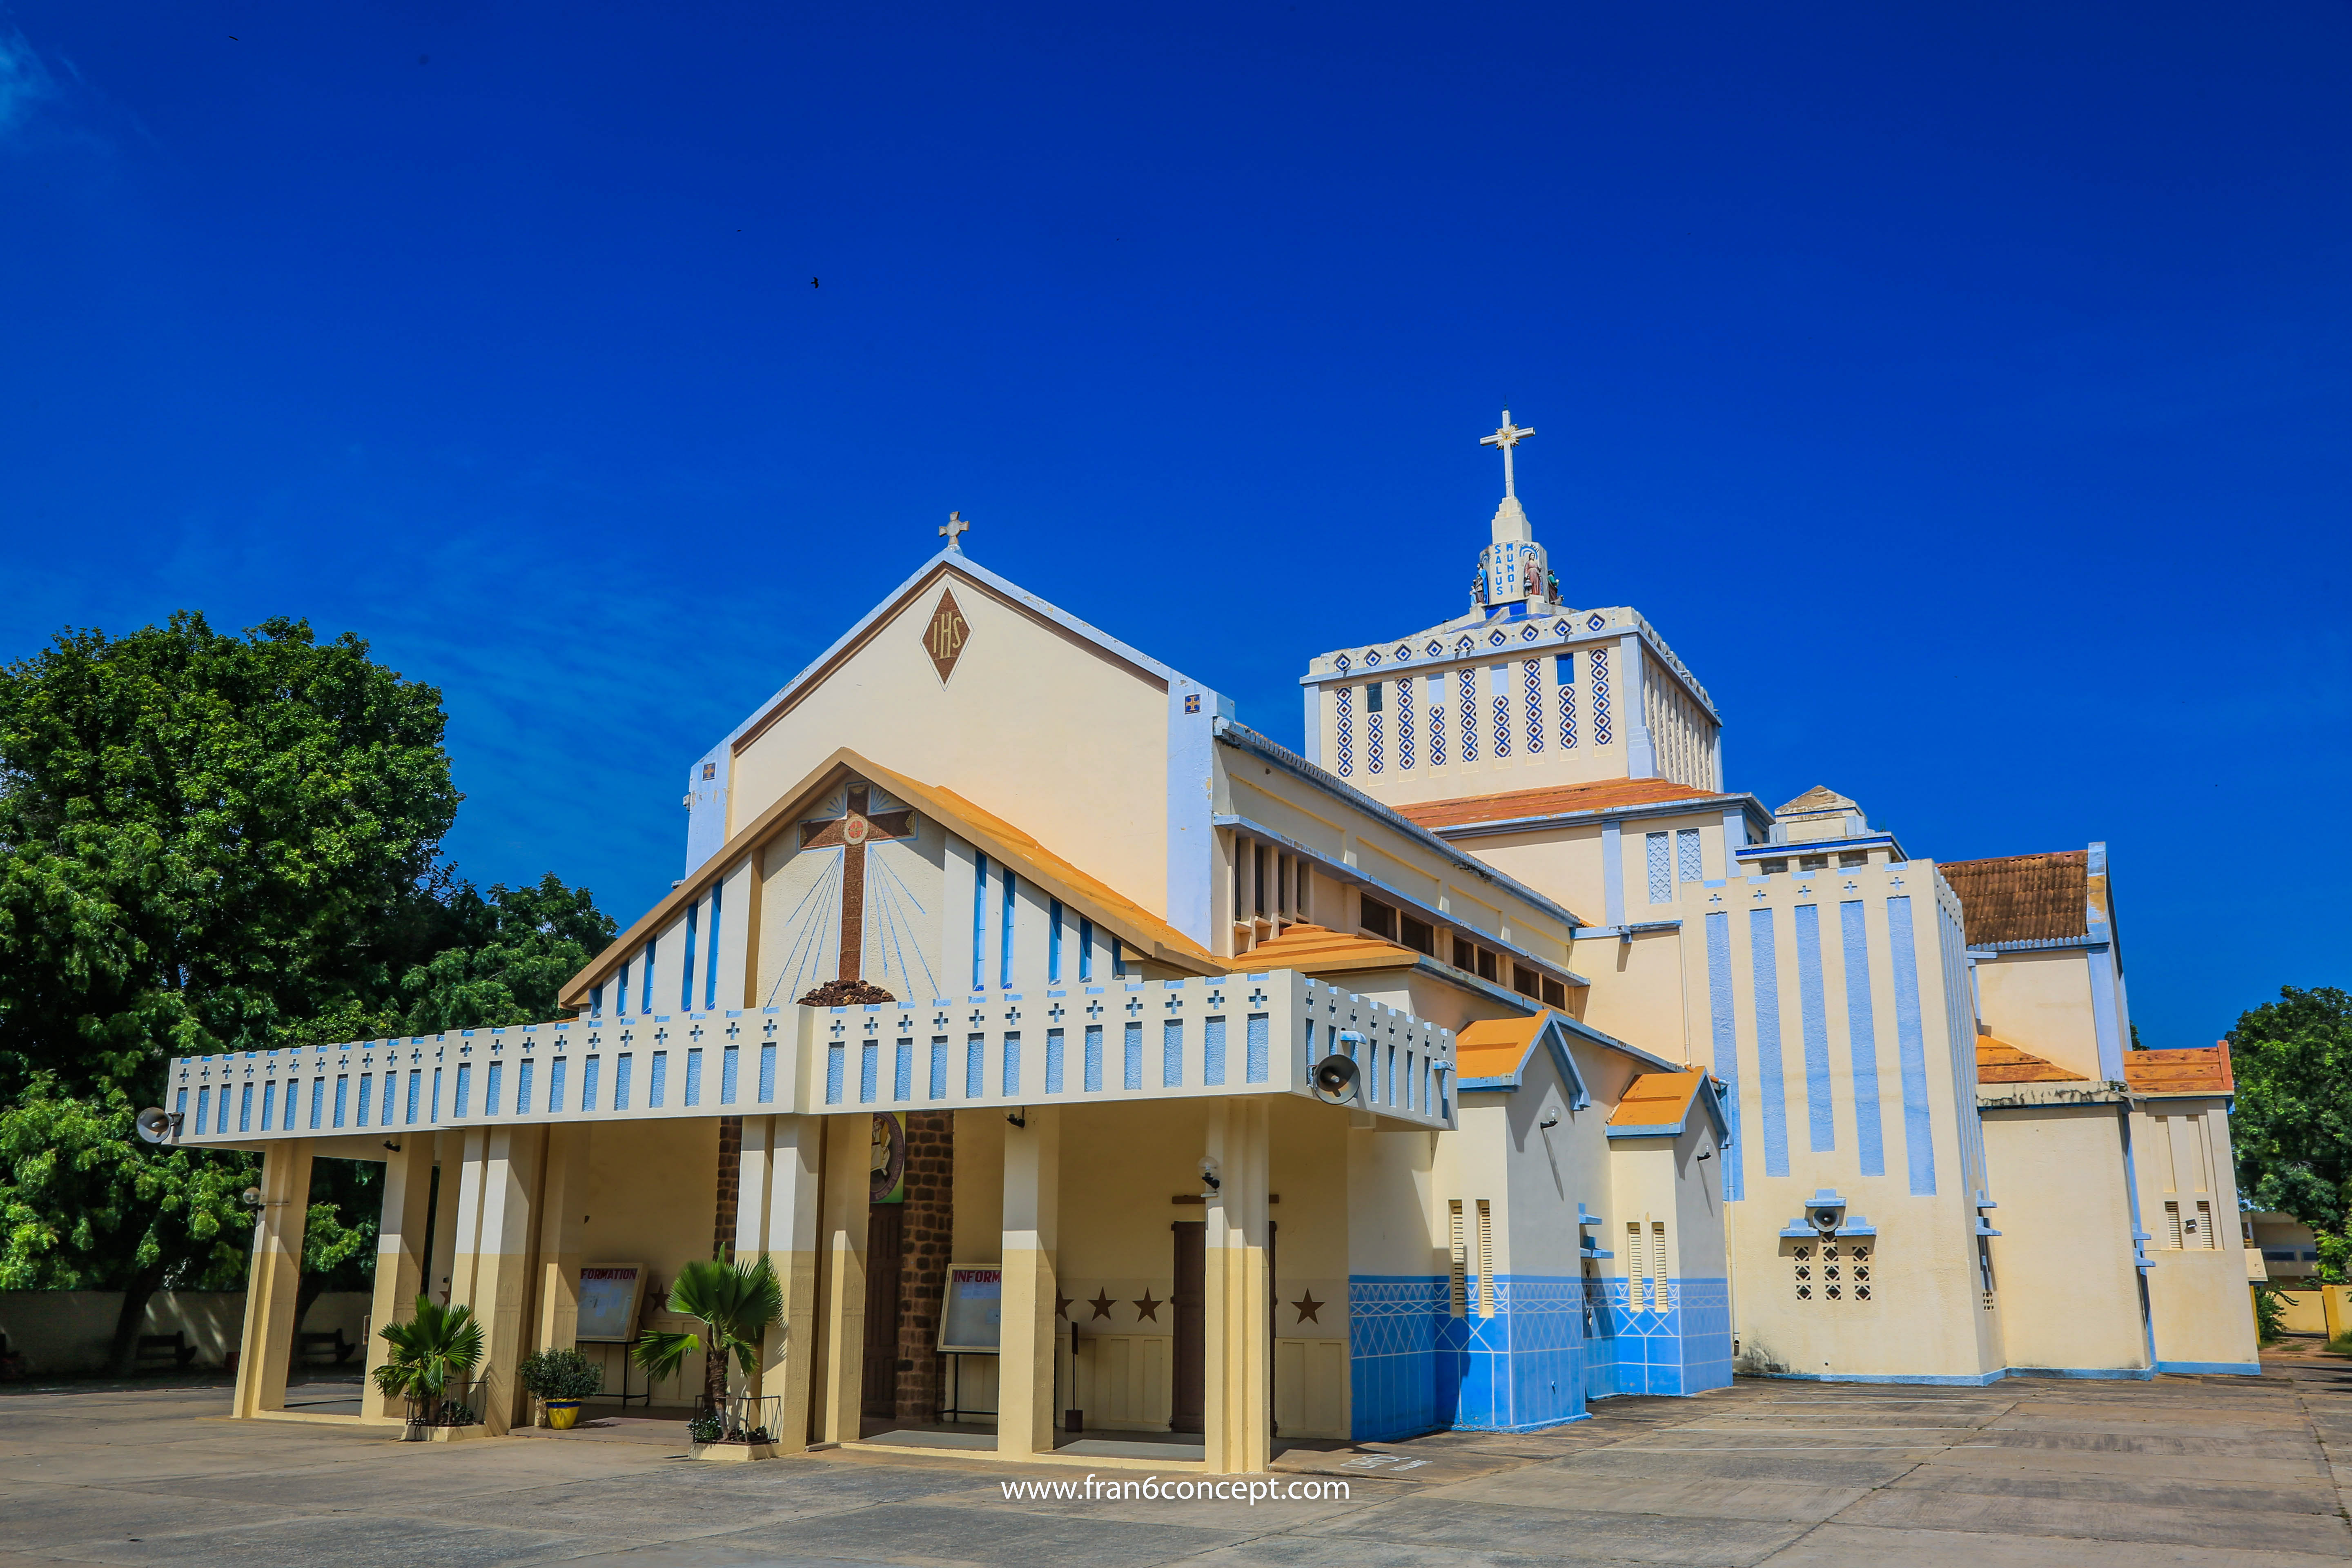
(812, 282)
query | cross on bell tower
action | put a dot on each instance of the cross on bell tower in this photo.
(1508, 436)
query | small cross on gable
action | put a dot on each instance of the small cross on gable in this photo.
(954, 529)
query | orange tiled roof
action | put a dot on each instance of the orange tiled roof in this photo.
(2201, 1070)
(1998, 1061)
(2022, 897)
(1558, 800)
(1313, 949)
(1494, 1047)
(1658, 1099)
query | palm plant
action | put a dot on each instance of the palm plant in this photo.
(735, 1305)
(439, 1346)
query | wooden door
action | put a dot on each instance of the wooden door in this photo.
(1188, 1386)
(885, 1236)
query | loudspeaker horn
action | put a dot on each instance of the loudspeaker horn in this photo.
(155, 1124)
(1335, 1078)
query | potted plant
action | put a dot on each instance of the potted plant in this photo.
(431, 1352)
(561, 1379)
(735, 1304)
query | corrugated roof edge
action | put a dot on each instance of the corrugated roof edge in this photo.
(1241, 737)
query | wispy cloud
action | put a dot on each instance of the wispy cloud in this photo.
(25, 80)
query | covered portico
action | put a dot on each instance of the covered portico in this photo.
(567, 1146)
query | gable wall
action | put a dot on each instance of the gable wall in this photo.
(1054, 737)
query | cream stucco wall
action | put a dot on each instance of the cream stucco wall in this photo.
(2041, 1002)
(2064, 1253)
(651, 1200)
(2197, 1292)
(1029, 709)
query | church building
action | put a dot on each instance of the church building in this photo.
(1106, 1080)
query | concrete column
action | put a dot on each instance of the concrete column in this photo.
(274, 1278)
(848, 1188)
(399, 1261)
(472, 1144)
(449, 1152)
(776, 1215)
(563, 1193)
(493, 1271)
(1028, 1341)
(1238, 1417)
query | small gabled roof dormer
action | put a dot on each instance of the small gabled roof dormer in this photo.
(1658, 1105)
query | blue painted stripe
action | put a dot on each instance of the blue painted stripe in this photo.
(711, 984)
(1725, 1033)
(1005, 937)
(1918, 1134)
(2107, 1374)
(1812, 1014)
(1861, 1038)
(1771, 1085)
(2217, 1368)
(979, 922)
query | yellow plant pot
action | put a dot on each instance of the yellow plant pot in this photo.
(563, 1413)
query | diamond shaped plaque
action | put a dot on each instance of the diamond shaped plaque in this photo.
(945, 635)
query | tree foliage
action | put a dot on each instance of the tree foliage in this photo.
(2293, 1125)
(213, 843)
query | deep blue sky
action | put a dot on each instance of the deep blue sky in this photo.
(1964, 396)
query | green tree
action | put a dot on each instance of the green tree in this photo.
(213, 843)
(2293, 1126)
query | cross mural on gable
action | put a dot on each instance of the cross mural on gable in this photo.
(858, 826)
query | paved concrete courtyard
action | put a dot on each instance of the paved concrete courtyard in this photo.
(2180, 1471)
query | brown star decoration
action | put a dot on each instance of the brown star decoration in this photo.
(1062, 1304)
(1101, 1303)
(1149, 1308)
(1308, 1306)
